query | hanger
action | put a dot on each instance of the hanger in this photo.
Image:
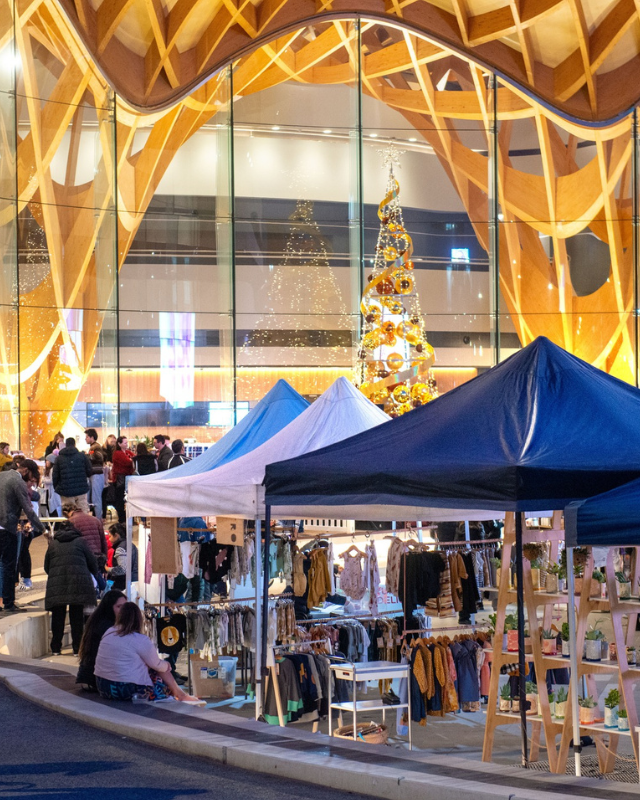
(353, 551)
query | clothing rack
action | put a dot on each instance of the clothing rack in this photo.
(273, 673)
(458, 628)
(468, 543)
(364, 618)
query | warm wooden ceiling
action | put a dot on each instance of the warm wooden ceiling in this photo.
(581, 56)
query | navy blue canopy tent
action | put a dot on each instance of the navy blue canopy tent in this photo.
(536, 432)
(609, 519)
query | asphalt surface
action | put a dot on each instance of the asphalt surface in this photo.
(50, 757)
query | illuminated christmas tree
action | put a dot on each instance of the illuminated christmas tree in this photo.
(305, 309)
(395, 357)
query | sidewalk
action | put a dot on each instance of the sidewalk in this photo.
(382, 772)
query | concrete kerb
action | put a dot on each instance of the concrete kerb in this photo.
(376, 781)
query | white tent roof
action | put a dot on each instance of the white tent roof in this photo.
(235, 489)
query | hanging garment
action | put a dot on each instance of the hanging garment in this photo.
(373, 577)
(172, 633)
(353, 577)
(394, 557)
(299, 578)
(319, 581)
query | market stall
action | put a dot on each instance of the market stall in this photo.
(521, 437)
(235, 489)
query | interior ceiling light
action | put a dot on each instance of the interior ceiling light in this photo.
(327, 130)
(275, 127)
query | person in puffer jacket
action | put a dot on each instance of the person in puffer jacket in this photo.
(70, 565)
(71, 474)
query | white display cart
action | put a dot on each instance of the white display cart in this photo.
(370, 671)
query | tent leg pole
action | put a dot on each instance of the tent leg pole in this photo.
(522, 685)
(129, 555)
(258, 612)
(573, 658)
(265, 595)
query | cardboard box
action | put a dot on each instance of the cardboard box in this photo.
(230, 530)
(210, 679)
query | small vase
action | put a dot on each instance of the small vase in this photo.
(611, 717)
(528, 647)
(587, 715)
(533, 704)
(631, 656)
(596, 588)
(504, 704)
(565, 649)
(515, 705)
(562, 584)
(512, 641)
(604, 649)
(624, 590)
(498, 572)
(535, 578)
(552, 583)
(560, 709)
(549, 647)
(593, 650)
(623, 723)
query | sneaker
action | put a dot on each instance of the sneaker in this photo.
(56, 653)
(26, 584)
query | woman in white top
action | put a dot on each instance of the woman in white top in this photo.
(128, 664)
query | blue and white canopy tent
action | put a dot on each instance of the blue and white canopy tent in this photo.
(534, 433)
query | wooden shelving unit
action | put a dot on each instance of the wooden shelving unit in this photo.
(539, 607)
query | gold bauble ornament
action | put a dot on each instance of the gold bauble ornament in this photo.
(388, 327)
(379, 395)
(371, 340)
(409, 265)
(395, 362)
(401, 394)
(421, 392)
(389, 339)
(390, 253)
(403, 285)
(413, 336)
(373, 314)
(367, 389)
(403, 408)
(373, 367)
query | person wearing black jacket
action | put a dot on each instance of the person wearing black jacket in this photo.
(144, 462)
(70, 565)
(71, 474)
(14, 499)
(163, 452)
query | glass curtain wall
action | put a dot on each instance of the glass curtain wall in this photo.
(247, 224)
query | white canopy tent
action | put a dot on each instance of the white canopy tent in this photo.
(235, 489)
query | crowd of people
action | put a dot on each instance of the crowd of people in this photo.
(82, 561)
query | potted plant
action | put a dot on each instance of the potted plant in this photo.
(564, 633)
(623, 720)
(553, 578)
(611, 703)
(534, 552)
(532, 697)
(505, 698)
(515, 704)
(536, 566)
(624, 586)
(561, 703)
(599, 577)
(511, 628)
(593, 643)
(588, 710)
(549, 642)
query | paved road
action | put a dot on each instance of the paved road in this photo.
(48, 756)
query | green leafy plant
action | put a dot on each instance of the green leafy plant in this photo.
(580, 558)
(622, 714)
(593, 634)
(505, 692)
(492, 623)
(511, 622)
(497, 562)
(552, 697)
(531, 688)
(547, 633)
(622, 578)
(561, 695)
(587, 702)
(536, 563)
(564, 633)
(612, 699)
(598, 576)
(554, 569)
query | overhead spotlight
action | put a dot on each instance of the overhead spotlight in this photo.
(413, 139)
(327, 131)
(373, 135)
(275, 127)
